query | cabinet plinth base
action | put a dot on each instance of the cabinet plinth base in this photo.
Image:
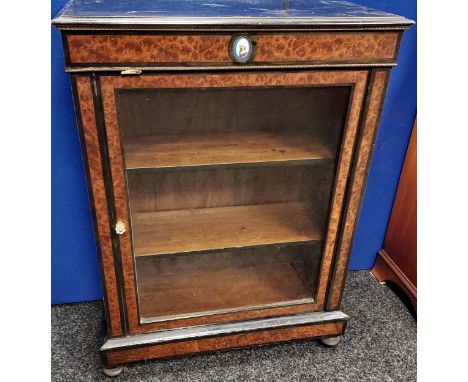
(202, 339)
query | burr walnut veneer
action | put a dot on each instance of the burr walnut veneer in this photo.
(226, 149)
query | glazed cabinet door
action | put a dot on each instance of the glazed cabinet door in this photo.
(226, 191)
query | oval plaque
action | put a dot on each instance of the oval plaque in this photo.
(242, 49)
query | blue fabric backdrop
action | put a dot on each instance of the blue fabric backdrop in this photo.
(75, 269)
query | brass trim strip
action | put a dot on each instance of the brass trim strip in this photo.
(124, 69)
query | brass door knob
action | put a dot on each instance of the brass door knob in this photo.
(120, 227)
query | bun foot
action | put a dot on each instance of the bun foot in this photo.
(112, 372)
(330, 341)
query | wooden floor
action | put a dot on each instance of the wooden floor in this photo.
(223, 289)
(225, 148)
(177, 231)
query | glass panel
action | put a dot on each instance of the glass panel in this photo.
(229, 191)
(225, 281)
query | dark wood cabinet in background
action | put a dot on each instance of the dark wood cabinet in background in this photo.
(396, 261)
(226, 152)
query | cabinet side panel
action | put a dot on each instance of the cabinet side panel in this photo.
(363, 154)
(90, 134)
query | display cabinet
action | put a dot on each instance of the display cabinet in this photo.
(226, 146)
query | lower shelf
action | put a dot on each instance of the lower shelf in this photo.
(219, 291)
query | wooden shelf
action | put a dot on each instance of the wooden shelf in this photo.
(176, 231)
(222, 149)
(220, 291)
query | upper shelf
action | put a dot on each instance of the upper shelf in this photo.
(253, 147)
(223, 12)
